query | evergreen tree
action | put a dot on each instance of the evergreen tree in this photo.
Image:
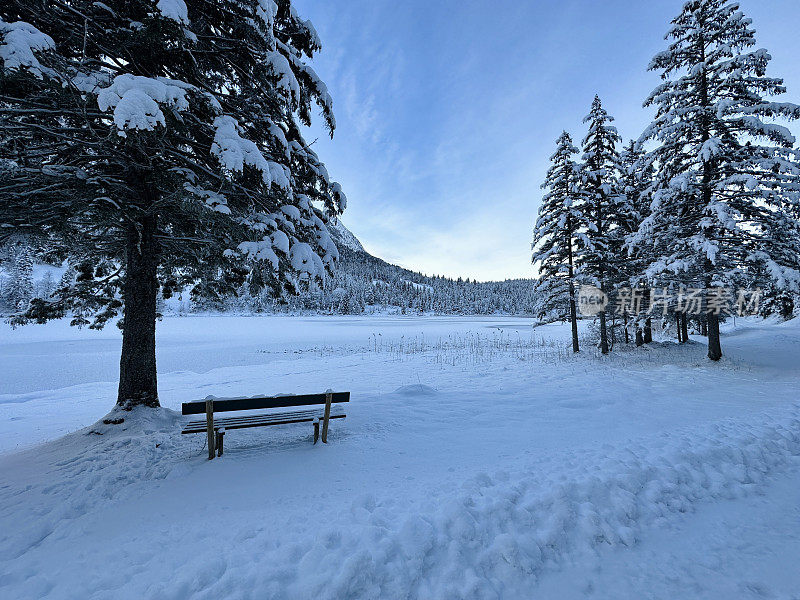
(636, 176)
(159, 144)
(558, 225)
(20, 287)
(552, 299)
(601, 254)
(777, 301)
(46, 286)
(635, 184)
(723, 165)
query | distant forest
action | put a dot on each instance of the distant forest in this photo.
(360, 283)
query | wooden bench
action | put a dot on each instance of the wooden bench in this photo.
(216, 428)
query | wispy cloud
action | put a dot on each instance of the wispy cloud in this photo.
(448, 111)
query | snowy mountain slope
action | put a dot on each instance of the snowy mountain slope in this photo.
(343, 236)
(363, 282)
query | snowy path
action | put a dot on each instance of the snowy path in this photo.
(743, 548)
(494, 466)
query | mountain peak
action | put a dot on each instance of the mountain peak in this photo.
(343, 236)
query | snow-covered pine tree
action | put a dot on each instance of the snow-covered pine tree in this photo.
(551, 299)
(723, 163)
(782, 238)
(45, 286)
(19, 290)
(636, 176)
(159, 143)
(558, 225)
(635, 179)
(601, 254)
(778, 302)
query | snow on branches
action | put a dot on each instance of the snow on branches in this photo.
(175, 10)
(20, 43)
(135, 101)
(234, 152)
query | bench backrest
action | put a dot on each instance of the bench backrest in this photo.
(229, 404)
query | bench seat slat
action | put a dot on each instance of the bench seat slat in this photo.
(254, 418)
(263, 416)
(248, 425)
(258, 421)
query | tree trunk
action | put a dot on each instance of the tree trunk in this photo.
(627, 337)
(678, 326)
(787, 307)
(684, 328)
(573, 316)
(601, 277)
(648, 331)
(703, 327)
(714, 347)
(137, 366)
(639, 336)
(612, 335)
(603, 333)
(573, 312)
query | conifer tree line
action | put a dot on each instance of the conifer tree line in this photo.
(707, 198)
(360, 284)
(364, 284)
(158, 145)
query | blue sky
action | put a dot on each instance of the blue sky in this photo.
(447, 111)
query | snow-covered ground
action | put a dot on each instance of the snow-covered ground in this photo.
(479, 459)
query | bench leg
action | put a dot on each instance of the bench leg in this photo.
(327, 417)
(316, 431)
(210, 427)
(219, 439)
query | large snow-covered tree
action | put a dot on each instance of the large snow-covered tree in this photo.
(724, 165)
(158, 145)
(602, 204)
(558, 226)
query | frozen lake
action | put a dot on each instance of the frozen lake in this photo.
(36, 358)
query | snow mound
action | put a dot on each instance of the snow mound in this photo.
(89, 467)
(416, 389)
(136, 422)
